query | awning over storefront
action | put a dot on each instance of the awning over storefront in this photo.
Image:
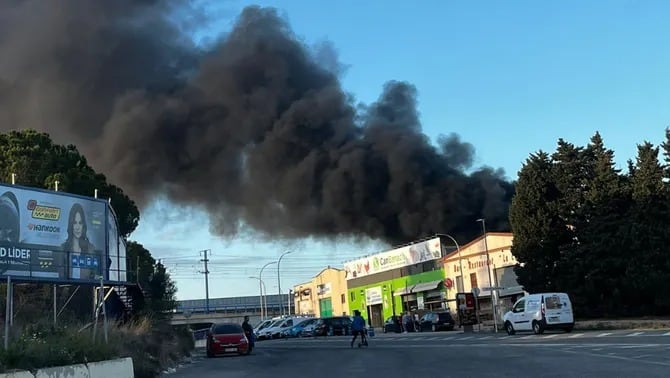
(426, 286)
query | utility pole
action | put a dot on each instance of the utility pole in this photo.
(494, 297)
(206, 273)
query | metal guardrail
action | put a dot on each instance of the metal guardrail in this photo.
(200, 334)
(238, 309)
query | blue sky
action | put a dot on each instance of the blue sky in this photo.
(510, 77)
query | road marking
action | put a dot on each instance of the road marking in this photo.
(505, 337)
(527, 337)
(447, 338)
(642, 356)
(666, 334)
(485, 337)
(576, 346)
(575, 335)
(550, 336)
(635, 334)
(466, 338)
(604, 334)
(614, 357)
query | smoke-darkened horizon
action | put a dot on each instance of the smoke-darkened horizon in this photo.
(256, 129)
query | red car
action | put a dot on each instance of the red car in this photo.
(227, 338)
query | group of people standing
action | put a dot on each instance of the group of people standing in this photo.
(409, 322)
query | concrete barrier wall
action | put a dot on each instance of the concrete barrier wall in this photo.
(119, 368)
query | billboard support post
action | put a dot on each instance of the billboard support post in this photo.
(55, 304)
(104, 307)
(13, 178)
(8, 310)
(11, 304)
(95, 311)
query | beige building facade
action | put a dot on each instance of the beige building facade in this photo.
(323, 296)
(469, 269)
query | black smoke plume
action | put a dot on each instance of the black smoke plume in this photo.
(256, 129)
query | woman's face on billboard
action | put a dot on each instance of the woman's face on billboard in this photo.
(77, 227)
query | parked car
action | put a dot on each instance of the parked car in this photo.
(393, 324)
(297, 329)
(263, 325)
(539, 312)
(275, 330)
(264, 333)
(226, 338)
(437, 321)
(336, 325)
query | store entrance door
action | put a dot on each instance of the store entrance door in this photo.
(377, 316)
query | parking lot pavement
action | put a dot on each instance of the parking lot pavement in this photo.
(332, 357)
(658, 337)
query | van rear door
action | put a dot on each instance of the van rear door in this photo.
(557, 308)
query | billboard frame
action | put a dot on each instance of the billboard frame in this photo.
(68, 281)
(372, 259)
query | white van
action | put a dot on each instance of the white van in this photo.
(539, 312)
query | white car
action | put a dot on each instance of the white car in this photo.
(275, 330)
(266, 331)
(539, 312)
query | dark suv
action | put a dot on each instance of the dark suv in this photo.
(436, 321)
(336, 325)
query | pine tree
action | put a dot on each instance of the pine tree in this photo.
(534, 220)
(570, 174)
(599, 257)
(647, 271)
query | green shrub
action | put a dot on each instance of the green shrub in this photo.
(40, 346)
(153, 347)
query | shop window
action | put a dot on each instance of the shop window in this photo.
(352, 295)
(344, 298)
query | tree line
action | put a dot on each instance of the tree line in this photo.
(38, 162)
(599, 233)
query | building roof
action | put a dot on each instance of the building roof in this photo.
(475, 241)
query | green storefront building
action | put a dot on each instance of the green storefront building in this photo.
(407, 278)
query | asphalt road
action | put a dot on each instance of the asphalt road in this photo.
(451, 354)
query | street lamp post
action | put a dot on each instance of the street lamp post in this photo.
(260, 285)
(460, 259)
(488, 267)
(281, 303)
(262, 289)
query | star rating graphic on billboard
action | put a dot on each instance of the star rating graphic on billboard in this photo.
(54, 236)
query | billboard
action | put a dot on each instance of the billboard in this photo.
(396, 258)
(53, 236)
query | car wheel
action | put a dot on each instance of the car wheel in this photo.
(567, 329)
(537, 328)
(509, 328)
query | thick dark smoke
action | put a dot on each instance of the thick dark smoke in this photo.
(255, 129)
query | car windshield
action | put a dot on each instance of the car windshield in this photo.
(274, 323)
(445, 316)
(226, 329)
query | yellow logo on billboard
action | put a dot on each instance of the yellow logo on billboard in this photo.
(46, 213)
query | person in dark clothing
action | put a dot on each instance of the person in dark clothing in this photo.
(249, 332)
